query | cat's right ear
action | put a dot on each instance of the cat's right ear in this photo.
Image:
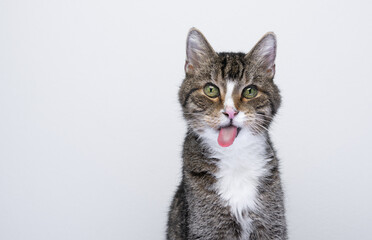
(198, 51)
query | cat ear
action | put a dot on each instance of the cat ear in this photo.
(263, 54)
(198, 50)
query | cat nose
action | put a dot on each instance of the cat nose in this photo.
(230, 112)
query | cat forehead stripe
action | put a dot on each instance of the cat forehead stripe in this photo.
(229, 101)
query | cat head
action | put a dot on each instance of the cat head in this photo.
(225, 93)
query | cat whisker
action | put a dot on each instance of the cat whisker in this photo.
(264, 115)
(260, 125)
(252, 119)
(258, 132)
(263, 120)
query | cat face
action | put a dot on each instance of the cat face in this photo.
(229, 92)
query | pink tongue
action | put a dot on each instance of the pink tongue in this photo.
(227, 136)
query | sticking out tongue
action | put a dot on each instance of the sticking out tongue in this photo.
(227, 136)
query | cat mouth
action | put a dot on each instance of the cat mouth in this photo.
(227, 135)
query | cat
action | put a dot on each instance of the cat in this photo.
(230, 187)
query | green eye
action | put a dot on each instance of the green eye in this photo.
(250, 92)
(211, 91)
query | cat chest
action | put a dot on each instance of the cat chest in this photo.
(237, 182)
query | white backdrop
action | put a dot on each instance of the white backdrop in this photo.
(91, 130)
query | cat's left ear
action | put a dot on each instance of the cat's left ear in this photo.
(198, 51)
(263, 54)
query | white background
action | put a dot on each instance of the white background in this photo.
(91, 130)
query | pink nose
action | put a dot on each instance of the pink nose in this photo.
(230, 112)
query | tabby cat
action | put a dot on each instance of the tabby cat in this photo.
(230, 187)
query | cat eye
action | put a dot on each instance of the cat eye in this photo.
(250, 92)
(211, 90)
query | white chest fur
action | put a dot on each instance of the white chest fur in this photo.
(240, 168)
